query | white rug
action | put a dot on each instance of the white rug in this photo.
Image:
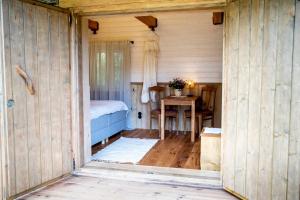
(125, 150)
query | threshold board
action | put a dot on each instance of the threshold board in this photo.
(107, 181)
(164, 175)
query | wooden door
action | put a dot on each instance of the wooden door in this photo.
(1, 110)
(39, 125)
(261, 109)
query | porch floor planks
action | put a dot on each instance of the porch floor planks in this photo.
(175, 151)
(86, 187)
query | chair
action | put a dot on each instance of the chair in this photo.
(204, 108)
(154, 107)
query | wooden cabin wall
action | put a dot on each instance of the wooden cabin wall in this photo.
(190, 45)
(39, 125)
(261, 107)
(138, 106)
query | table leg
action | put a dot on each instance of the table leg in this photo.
(162, 120)
(193, 122)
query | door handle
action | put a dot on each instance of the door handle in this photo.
(10, 103)
(27, 80)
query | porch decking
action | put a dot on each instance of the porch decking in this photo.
(175, 151)
(95, 183)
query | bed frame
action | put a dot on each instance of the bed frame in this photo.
(108, 125)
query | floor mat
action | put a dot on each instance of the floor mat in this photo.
(125, 150)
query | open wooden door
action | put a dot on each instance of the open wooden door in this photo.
(2, 164)
(261, 109)
(38, 96)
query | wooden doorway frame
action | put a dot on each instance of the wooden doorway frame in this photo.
(86, 149)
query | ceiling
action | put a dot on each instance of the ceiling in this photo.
(131, 6)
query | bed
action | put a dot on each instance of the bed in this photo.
(107, 119)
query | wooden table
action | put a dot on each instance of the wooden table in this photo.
(178, 101)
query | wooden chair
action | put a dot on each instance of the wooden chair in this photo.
(154, 108)
(205, 108)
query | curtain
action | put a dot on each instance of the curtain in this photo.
(110, 70)
(151, 50)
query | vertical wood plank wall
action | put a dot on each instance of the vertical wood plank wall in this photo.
(138, 106)
(261, 107)
(39, 125)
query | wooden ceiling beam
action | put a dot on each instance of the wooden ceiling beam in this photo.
(91, 7)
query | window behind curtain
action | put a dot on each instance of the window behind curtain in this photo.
(109, 70)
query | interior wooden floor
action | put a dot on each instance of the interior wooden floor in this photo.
(175, 151)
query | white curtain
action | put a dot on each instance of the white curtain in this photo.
(151, 50)
(110, 70)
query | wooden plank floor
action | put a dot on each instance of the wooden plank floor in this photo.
(105, 188)
(175, 151)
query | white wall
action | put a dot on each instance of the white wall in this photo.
(191, 46)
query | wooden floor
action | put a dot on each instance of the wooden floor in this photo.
(111, 186)
(175, 151)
